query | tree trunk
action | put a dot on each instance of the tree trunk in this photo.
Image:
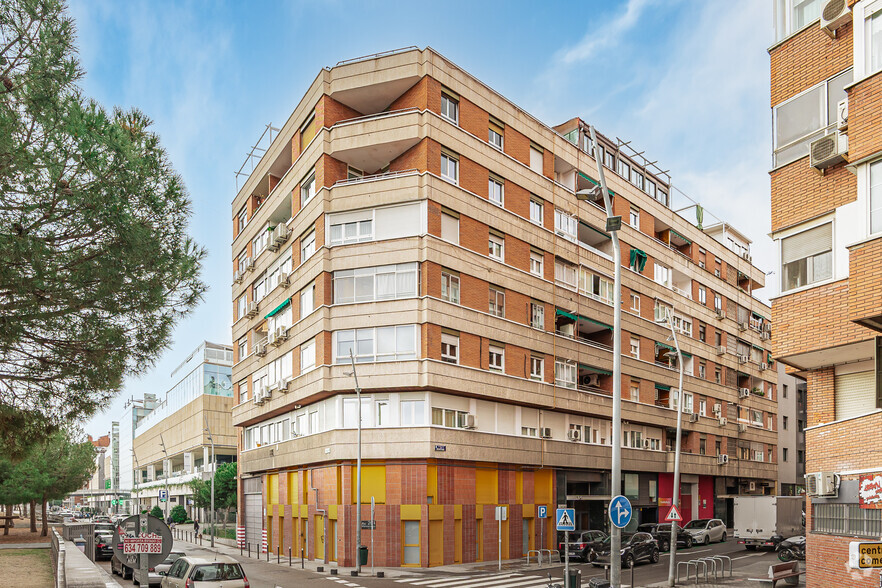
(8, 521)
(45, 531)
(33, 511)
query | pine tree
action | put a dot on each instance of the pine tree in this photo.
(96, 266)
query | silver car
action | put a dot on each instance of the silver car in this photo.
(200, 572)
(706, 530)
(156, 574)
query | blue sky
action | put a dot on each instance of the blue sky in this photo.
(687, 81)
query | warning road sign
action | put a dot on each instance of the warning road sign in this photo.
(566, 519)
(674, 514)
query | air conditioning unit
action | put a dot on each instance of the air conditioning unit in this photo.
(842, 115)
(721, 349)
(238, 277)
(743, 392)
(271, 243)
(545, 432)
(281, 234)
(260, 349)
(742, 326)
(470, 422)
(251, 310)
(765, 336)
(828, 151)
(742, 428)
(724, 421)
(646, 444)
(268, 392)
(746, 255)
(258, 397)
(693, 418)
(822, 484)
(281, 334)
(721, 314)
(743, 359)
(271, 339)
(284, 384)
(764, 366)
(248, 264)
(722, 459)
(574, 435)
(718, 408)
(834, 14)
(285, 279)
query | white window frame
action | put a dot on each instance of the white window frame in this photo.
(496, 247)
(496, 191)
(307, 246)
(450, 287)
(496, 302)
(537, 315)
(809, 284)
(242, 219)
(623, 169)
(307, 188)
(662, 274)
(537, 368)
(496, 358)
(450, 108)
(565, 373)
(413, 412)
(635, 347)
(448, 163)
(450, 221)
(404, 279)
(537, 160)
(307, 300)
(307, 356)
(537, 264)
(363, 231)
(371, 334)
(785, 24)
(537, 209)
(566, 225)
(702, 295)
(877, 208)
(450, 348)
(564, 270)
(500, 144)
(634, 218)
(635, 302)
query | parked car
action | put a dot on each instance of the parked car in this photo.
(706, 530)
(198, 572)
(636, 547)
(119, 568)
(582, 542)
(103, 545)
(662, 534)
(156, 574)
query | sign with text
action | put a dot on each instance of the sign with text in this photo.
(501, 513)
(131, 539)
(870, 491)
(865, 555)
(369, 525)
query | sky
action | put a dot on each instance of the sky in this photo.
(687, 81)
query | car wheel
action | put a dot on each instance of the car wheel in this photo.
(750, 547)
(665, 546)
(723, 538)
(653, 557)
(688, 542)
(627, 561)
(706, 540)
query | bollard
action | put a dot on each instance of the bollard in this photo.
(249, 549)
(278, 555)
(267, 554)
(301, 558)
(289, 556)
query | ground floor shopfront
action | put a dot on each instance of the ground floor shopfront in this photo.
(436, 512)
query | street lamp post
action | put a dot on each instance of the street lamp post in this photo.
(213, 467)
(165, 467)
(616, 477)
(137, 483)
(676, 499)
(358, 471)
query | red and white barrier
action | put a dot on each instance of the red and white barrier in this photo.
(263, 548)
(240, 537)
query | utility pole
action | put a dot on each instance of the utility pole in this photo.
(165, 467)
(676, 500)
(616, 476)
(213, 467)
(358, 471)
(137, 479)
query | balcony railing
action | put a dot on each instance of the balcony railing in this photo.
(375, 177)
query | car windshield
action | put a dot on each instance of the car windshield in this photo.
(647, 528)
(173, 557)
(216, 572)
(664, 529)
(697, 524)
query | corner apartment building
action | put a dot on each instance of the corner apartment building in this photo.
(409, 215)
(201, 392)
(827, 220)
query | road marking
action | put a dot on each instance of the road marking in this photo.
(748, 555)
(531, 582)
(680, 552)
(476, 581)
(454, 580)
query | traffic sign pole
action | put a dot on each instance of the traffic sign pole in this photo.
(566, 559)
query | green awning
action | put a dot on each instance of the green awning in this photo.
(673, 349)
(569, 315)
(771, 361)
(758, 315)
(596, 183)
(662, 387)
(279, 308)
(682, 237)
(598, 231)
(758, 347)
(638, 259)
(596, 370)
(602, 324)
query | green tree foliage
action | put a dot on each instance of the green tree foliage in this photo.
(96, 266)
(157, 512)
(225, 497)
(178, 514)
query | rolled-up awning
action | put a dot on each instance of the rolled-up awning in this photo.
(596, 183)
(663, 387)
(279, 308)
(596, 370)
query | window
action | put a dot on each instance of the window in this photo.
(259, 243)
(565, 272)
(687, 402)
(663, 197)
(497, 247)
(411, 543)
(537, 368)
(702, 446)
(307, 188)
(635, 392)
(682, 325)
(873, 40)
(536, 263)
(565, 373)
(381, 416)
(597, 287)
(496, 191)
(637, 179)
(756, 417)
(536, 156)
(718, 303)
(307, 246)
(307, 300)
(635, 303)
(449, 167)
(376, 344)
(241, 220)
(800, 457)
(624, 170)
(353, 173)
(662, 275)
(450, 287)
(702, 371)
(243, 390)
(243, 348)
(800, 426)
(495, 134)
(241, 303)
(447, 417)
(876, 194)
(386, 282)
(609, 160)
(537, 315)
(352, 232)
(807, 257)
(650, 188)
(806, 117)
(634, 219)
(497, 301)
(497, 358)
(702, 407)
(702, 295)
(635, 347)
(536, 215)
(718, 447)
(528, 431)
(449, 227)
(450, 348)
(450, 108)
(565, 225)
(307, 356)
(784, 393)
(413, 413)
(702, 333)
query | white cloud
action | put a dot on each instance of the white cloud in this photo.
(603, 35)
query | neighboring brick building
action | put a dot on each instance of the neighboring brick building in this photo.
(410, 213)
(827, 222)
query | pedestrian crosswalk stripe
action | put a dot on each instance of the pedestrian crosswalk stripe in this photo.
(511, 580)
(469, 580)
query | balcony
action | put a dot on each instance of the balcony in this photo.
(370, 142)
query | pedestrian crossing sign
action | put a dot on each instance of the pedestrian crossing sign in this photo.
(674, 514)
(566, 519)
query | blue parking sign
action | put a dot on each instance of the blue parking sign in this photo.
(542, 512)
(620, 511)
